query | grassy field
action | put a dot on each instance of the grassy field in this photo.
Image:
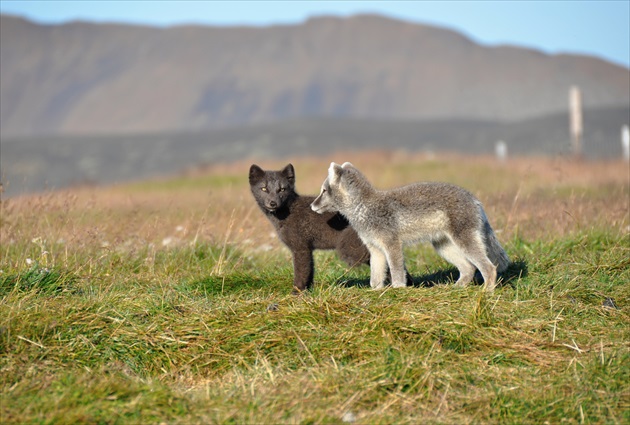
(168, 301)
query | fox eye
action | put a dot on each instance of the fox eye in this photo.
(264, 189)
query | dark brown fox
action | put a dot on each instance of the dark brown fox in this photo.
(300, 228)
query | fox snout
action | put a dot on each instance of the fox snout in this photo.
(323, 203)
(272, 205)
(316, 206)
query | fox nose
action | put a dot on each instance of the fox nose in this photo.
(273, 204)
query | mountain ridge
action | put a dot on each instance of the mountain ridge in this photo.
(83, 78)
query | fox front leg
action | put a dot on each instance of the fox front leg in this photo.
(303, 270)
(396, 263)
(378, 268)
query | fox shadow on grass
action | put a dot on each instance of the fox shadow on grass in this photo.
(517, 269)
(216, 285)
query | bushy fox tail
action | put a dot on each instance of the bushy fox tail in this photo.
(495, 251)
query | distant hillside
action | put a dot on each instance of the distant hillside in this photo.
(82, 78)
(38, 163)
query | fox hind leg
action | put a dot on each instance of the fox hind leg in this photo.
(475, 251)
(351, 250)
(488, 271)
(452, 253)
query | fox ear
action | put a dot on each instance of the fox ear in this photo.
(289, 173)
(334, 172)
(255, 173)
(347, 165)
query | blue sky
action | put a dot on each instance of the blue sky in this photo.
(599, 28)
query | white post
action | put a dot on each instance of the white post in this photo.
(575, 118)
(625, 142)
(500, 151)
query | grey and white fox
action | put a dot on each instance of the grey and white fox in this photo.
(448, 216)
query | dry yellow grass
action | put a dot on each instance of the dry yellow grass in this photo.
(532, 197)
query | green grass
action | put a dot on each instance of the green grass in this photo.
(172, 340)
(168, 302)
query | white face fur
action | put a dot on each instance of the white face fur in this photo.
(330, 195)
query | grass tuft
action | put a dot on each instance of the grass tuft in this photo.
(41, 280)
